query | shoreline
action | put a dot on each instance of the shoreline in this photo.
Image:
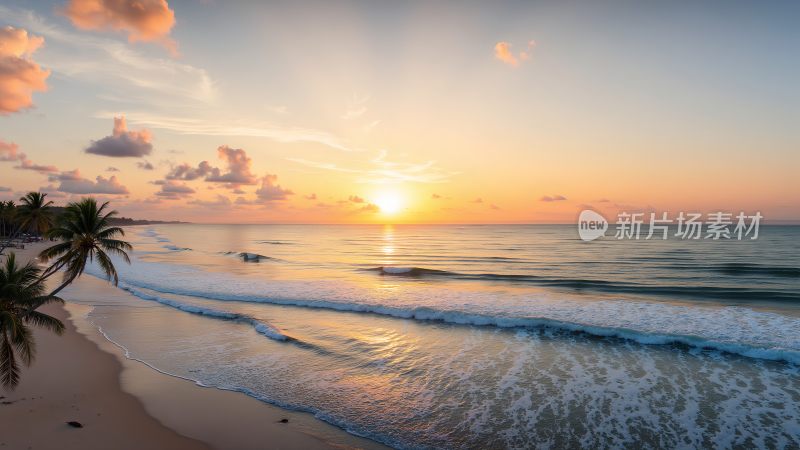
(125, 403)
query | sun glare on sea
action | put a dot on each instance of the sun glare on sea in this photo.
(389, 202)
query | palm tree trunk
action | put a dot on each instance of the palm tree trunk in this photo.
(63, 285)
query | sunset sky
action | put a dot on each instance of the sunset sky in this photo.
(453, 112)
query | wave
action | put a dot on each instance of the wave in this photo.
(275, 242)
(734, 329)
(707, 292)
(249, 257)
(757, 269)
(252, 257)
(410, 271)
(772, 352)
(260, 326)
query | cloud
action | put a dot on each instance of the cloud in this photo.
(9, 151)
(221, 127)
(436, 196)
(503, 52)
(370, 208)
(554, 198)
(173, 190)
(145, 165)
(112, 169)
(355, 199)
(220, 202)
(72, 182)
(270, 190)
(477, 200)
(356, 108)
(123, 143)
(142, 20)
(5, 189)
(20, 76)
(52, 191)
(238, 167)
(384, 171)
(186, 172)
(311, 196)
(493, 206)
(112, 66)
(26, 164)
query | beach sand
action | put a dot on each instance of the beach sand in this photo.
(125, 404)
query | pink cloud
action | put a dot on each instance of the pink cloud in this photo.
(9, 151)
(20, 76)
(554, 198)
(72, 182)
(238, 168)
(142, 20)
(26, 164)
(503, 52)
(173, 190)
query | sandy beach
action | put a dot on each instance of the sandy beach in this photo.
(124, 404)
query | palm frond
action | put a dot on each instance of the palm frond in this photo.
(45, 321)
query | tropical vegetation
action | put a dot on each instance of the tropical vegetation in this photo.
(83, 233)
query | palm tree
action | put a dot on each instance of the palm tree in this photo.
(7, 215)
(8, 225)
(35, 213)
(21, 292)
(85, 235)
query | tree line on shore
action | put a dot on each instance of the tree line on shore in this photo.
(82, 233)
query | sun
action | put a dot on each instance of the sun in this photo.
(389, 202)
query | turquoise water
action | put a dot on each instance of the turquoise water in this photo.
(478, 336)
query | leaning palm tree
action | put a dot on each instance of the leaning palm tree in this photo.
(35, 213)
(86, 235)
(21, 292)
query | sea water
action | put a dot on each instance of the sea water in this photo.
(475, 336)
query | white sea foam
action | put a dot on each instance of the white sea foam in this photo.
(738, 330)
(260, 326)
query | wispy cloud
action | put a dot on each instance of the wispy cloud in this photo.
(217, 127)
(552, 198)
(382, 171)
(356, 108)
(112, 64)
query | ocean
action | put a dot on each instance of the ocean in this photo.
(477, 336)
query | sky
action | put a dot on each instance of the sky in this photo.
(402, 112)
